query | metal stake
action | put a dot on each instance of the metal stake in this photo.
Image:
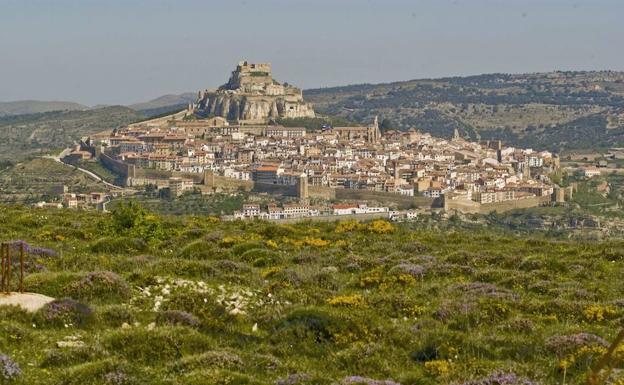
(21, 281)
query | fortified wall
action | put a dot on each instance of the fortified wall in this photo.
(472, 207)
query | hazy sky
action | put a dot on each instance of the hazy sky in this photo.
(125, 51)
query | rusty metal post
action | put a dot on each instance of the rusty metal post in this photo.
(9, 262)
(2, 253)
(21, 279)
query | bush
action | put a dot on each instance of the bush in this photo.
(177, 318)
(100, 285)
(222, 359)
(200, 249)
(9, 369)
(115, 315)
(65, 312)
(118, 245)
(163, 344)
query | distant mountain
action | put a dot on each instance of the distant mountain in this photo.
(23, 136)
(165, 102)
(37, 106)
(556, 110)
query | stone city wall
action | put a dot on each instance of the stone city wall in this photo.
(468, 206)
(118, 167)
(402, 201)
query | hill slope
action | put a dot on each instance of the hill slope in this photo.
(191, 300)
(36, 106)
(32, 180)
(165, 101)
(549, 110)
(27, 135)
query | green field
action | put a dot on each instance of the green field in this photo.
(192, 300)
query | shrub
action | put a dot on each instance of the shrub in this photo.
(416, 271)
(199, 249)
(162, 344)
(101, 285)
(564, 344)
(354, 300)
(65, 312)
(438, 367)
(9, 369)
(598, 313)
(359, 380)
(211, 359)
(501, 379)
(115, 315)
(118, 245)
(347, 226)
(261, 257)
(177, 318)
(381, 227)
(108, 371)
(60, 357)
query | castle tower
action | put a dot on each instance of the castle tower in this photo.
(302, 187)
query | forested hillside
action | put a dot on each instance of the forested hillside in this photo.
(559, 110)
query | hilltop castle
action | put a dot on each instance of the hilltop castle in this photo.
(252, 96)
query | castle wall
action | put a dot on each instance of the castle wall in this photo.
(124, 169)
(472, 207)
(320, 192)
(401, 201)
(277, 189)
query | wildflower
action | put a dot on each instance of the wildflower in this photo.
(9, 369)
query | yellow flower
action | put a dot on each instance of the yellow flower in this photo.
(354, 300)
(381, 227)
(598, 313)
(438, 367)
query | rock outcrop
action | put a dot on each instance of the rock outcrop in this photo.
(251, 95)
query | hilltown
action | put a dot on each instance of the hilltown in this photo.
(229, 140)
(361, 158)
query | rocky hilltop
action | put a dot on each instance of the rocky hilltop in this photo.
(251, 95)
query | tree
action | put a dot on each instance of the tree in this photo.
(386, 124)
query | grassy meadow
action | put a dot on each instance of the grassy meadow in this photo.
(185, 300)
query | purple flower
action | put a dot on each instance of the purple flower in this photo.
(416, 271)
(9, 369)
(66, 311)
(567, 343)
(293, 379)
(501, 379)
(15, 245)
(177, 317)
(116, 378)
(43, 252)
(359, 380)
(481, 289)
(33, 250)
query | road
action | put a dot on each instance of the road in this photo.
(91, 174)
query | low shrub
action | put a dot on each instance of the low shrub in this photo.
(115, 315)
(177, 318)
(211, 359)
(118, 245)
(99, 285)
(153, 347)
(9, 369)
(65, 312)
(200, 249)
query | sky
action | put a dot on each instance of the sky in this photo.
(127, 51)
